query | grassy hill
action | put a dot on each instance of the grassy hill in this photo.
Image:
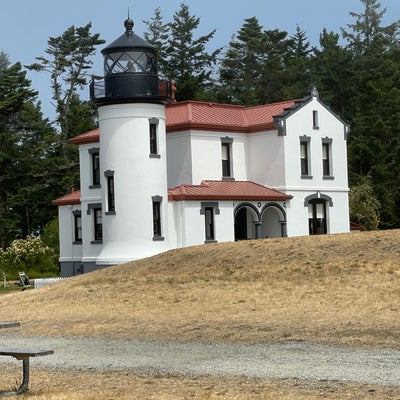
(333, 289)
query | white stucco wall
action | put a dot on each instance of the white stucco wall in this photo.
(266, 158)
(179, 160)
(68, 251)
(189, 223)
(125, 149)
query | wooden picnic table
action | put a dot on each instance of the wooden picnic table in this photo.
(22, 355)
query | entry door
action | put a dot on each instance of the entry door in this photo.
(241, 224)
(317, 217)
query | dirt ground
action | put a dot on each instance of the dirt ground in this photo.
(83, 385)
(339, 289)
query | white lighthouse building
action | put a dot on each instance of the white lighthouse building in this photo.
(132, 151)
(159, 174)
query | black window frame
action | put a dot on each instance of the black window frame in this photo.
(77, 227)
(305, 161)
(209, 209)
(315, 119)
(95, 209)
(98, 226)
(157, 218)
(95, 168)
(153, 138)
(226, 158)
(327, 164)
(109, 175)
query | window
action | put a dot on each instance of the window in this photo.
(327, 158)
(209, 210)
(226, 149)
(98, 225)
(157, 233)
(95, 167)
(209, 223)
(315, 119)
(153, 129)
(95, 210)
(77, 226)
(110, 192)
(305, 157)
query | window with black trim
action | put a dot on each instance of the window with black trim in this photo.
(305, 157)
(109, 175)
(95, 167)
(153, 131)
(226, 157)
(209, 223)
(315, 119)
(157, 232)
(77, 226)
(98, 224)
(209, 210)
(327, 158)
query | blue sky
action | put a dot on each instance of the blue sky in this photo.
(25, 26)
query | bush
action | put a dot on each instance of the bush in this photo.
(30, 256)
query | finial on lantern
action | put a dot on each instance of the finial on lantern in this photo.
(129, 24)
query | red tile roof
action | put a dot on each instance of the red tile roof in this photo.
(222, 117)
(88, 137)
(211, 117)
(69, 199)
(226, 190)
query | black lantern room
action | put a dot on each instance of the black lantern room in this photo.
(130, 72)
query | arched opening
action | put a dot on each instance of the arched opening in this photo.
(245, 216)
(317, 224)
(273, 221)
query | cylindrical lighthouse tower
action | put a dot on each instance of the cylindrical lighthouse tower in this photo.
(131, 106)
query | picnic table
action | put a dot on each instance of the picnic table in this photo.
(23, 355)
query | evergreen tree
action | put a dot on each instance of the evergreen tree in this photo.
(375, 124)
(333, 73)
(241, 67)
(68, 65)
(24, 203)
(183, 58)
(297, 74)
(158, 35)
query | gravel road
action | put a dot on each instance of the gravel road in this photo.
(299, 360)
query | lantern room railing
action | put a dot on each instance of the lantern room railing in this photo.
(132, 88)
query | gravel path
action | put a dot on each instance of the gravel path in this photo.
(300, 360)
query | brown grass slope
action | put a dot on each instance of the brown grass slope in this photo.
(342, 289)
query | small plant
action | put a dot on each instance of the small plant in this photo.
(28, 255)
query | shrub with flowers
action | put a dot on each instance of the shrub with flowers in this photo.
(28, 255)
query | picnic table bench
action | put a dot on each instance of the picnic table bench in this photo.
(21, 354)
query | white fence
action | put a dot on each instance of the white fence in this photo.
(41, 282)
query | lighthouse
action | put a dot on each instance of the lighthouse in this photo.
(131, 101)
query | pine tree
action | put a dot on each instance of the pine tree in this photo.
(184, 58)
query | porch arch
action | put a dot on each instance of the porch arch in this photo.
(246, 218)
(273, 221)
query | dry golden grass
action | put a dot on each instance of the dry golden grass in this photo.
(79, 385)
(341, 289)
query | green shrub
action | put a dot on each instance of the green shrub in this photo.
(30, 256)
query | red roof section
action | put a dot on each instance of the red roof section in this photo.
(211, 117)
(88, 137)
(226, 190)
(69, 199)
(222, 117)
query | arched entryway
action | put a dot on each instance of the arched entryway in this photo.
(246, 215)
(318, 213)
(273, 223)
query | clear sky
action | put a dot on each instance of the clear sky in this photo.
(26, 25)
